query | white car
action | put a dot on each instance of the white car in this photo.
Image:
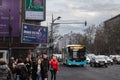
(109, 60)
(98, 61)
(88, 59)
(117, 59)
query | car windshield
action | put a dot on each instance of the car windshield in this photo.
(118, 57)
(99, 58)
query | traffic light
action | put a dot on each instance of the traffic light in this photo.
(85, 23)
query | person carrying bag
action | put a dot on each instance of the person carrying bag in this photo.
(54, 66)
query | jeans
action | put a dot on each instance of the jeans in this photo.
(17, 77)
(39, 77)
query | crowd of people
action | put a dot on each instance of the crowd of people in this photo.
(30, 69)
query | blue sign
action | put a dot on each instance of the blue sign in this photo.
(34, 34)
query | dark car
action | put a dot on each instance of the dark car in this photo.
(98, 61)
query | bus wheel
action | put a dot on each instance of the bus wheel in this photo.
(82, 65)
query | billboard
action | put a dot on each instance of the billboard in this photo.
(35, 9)
(34, 34)
(12, 8)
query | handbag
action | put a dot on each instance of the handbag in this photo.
(51, 67)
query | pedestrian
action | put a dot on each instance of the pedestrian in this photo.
(45, 67)
(34, 71)
(28, 65)
(11, 66)
(38, 69)
(54, 67)
(21, 71)
(5, 73)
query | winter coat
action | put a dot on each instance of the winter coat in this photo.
(54, 64)
(28, 65)
(21, 70)
(5, 73)
(34, 70)
(44, 66)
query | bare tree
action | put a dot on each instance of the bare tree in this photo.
(89, 34)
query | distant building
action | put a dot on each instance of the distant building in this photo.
(66, 40)
(112, 31)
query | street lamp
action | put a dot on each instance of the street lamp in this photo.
(51, 38)
(10, 32)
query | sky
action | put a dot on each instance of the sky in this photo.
(92, 11)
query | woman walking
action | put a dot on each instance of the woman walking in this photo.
(54, 67)
(38, 67)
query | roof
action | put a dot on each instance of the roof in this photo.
(112, 18)
(73, 45)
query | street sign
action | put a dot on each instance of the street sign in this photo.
(34, 34)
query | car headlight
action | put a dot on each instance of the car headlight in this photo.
(105, 61)
(111, 60)
(97, 61)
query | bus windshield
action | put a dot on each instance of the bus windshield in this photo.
(77, 53)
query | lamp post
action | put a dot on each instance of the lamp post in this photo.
(51, 35)
(10, 32)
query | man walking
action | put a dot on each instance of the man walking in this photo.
(45, 67)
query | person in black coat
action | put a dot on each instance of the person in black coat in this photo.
(44, 67)
(21, 70)
(34, 69)
(28, 65)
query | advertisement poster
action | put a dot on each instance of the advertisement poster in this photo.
(9, 9)
(35, 9)
(34, 34)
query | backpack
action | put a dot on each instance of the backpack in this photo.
(23, 72)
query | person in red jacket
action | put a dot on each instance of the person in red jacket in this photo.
(54, 66)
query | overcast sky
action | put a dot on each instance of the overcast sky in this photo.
(93, 11)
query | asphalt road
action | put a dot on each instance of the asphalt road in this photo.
(89, 73)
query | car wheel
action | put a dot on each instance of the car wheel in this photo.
(91, 64)
(111, 63)
(94, 65)
(106, 66)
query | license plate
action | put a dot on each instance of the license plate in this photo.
(101, 63)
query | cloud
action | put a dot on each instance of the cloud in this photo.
(93, 11)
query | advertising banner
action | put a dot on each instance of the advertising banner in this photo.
(34, 34)
(9, 9)
(35, 9)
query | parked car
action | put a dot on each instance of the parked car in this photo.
(98, 61)
(90, 56)
(114, 58)
(88, 60)
(109, 60)
(117, 59)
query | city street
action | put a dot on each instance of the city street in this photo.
(89, 73)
